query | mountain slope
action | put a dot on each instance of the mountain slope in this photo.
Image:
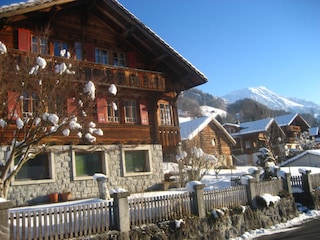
(273, 101)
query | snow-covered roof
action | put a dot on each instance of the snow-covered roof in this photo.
(285, 120)
(261, 125)
(190, 129)
(315, 152)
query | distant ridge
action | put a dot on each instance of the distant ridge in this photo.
(274, 101)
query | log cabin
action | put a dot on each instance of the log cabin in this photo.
(251, 136)
(106, 44)
(294, 126)
(209, 135)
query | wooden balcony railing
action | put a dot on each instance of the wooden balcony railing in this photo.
(98, 73)
(169, 136)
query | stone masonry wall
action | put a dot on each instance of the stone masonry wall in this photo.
(29, 194)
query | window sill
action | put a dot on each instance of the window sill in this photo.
(134, 174)
(31, 182)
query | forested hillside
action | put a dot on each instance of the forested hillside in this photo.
(244, 110)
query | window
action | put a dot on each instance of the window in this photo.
(247, 144)
(86, 164)
(136, 161)
(119, 59)
(113, 113)
(38, 168)
(130, 111)
(101, 56)
(165, 114)
(39, 45)
(29, 103)
(58, 46)
(78, 50)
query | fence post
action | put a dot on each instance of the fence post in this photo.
(4, 219)
(122, 213)
(287, 183)
(103, 191)
(199, 200)
(251, 191)
(306, 182)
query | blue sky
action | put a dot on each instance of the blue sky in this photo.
(242, 43)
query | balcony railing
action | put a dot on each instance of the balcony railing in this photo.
(99, 73)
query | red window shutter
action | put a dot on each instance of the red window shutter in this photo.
(102, 110)
(71, 106)
(132, 60)
(24, 39)
(90, 52)
(144, 112)
(14, 106)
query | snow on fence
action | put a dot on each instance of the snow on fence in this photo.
(228, 197)
(61, 222)
(272, 187)
(154, 209)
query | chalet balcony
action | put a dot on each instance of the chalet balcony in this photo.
(169, 136)
(80, 70)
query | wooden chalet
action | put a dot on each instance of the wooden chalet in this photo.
(293, 125)
(108, 45)
(209, 135)
(251, 136)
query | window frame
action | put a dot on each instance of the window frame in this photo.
(29, 102)
(40, 45)
(52, 173)
(101, 58)
(83, 150)
(165, 114)
(113, 116)
(132, 117)
(148, 160)
(119, 59)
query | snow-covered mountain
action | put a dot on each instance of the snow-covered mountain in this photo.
(274, 101)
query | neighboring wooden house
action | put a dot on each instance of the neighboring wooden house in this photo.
(308, 158)
(250, 136)
(293, 125)
(108, 45)
(209, 135)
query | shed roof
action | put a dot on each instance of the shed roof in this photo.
(190, 129)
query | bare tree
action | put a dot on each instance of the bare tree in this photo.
(41, 99)
(195, 164)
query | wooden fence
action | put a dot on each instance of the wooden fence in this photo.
(82, 220)
(315, 180)
(296, 181)
(272, 187)
(61, 222)
(146, 210)
(228, 197)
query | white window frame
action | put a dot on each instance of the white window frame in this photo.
(165, 110)
(83, 149)
(136, 148)
(52, 173)
(130, 108)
